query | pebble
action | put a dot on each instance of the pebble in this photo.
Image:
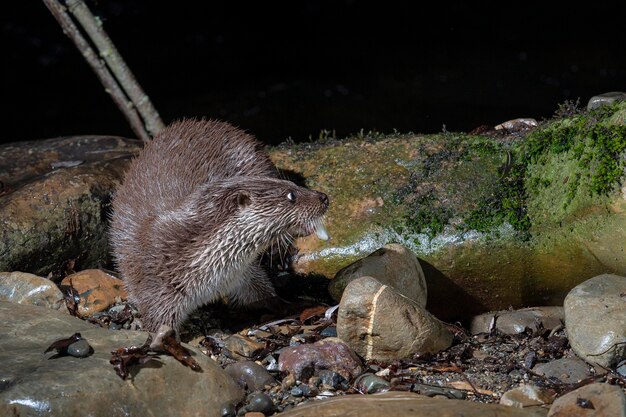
(25, 288)
(605, 99)
(518, 321)
(595, 318)
(97, 290)
(516, 125)
(394, 265)
(228, 410)
(250, 375)
(331, 379)
(593, 400)
(329, 332)
(332, 353)
(80, 349)
(379, 323)
(566, 370)
(241, 347)
(371, 384)
(260, 402)
(526, 396)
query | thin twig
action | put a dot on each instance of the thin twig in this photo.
(118, 66)
(106, 78)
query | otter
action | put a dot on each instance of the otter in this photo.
(196, 209)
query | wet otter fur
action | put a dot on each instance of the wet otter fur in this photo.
(195, 211)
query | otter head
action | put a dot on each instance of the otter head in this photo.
(279, 208)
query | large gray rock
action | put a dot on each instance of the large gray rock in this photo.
(403, 404)
(380, 323)
(25, 288)
(605, 99)
(54, 198)
(595, 318)
(393, 265)
(566, 370)
(34, 384)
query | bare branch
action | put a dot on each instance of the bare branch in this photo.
(109, 53)
(106, 78)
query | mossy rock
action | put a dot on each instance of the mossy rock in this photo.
(511, 220)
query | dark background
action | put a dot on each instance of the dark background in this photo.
(285, 69)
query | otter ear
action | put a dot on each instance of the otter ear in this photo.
(243, 198)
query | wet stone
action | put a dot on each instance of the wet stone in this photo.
(79, 349)
(566, 370)
(24, 288)
(250, 375)
(332, 353)
(595, 318)
(393, 265)
(260, 402)
(371, 384)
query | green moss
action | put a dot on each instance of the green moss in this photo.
(569, 164)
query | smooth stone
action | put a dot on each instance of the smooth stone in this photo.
(260, 402)
(329, 332)
(394, 265)
(35, 384)
(97, 290)
(526, 396)
(371, 384)
(566, 370)
(79, 349)
(517, 321)
(606, 400)
(595, 318)
(332, 353)
(605, 99)
(403, 404)
(250, 375)
(379, 323)
(25, 288)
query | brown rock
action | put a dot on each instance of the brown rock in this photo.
(97, 290)
(393, 265)
(332, 353)
(593, 400)
(380, 323)
(55, 197)
(403, 404)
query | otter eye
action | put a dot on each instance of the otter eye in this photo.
(291, 196)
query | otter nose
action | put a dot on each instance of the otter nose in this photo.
(323, 199)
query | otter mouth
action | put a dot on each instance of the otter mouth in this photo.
(316, 227)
